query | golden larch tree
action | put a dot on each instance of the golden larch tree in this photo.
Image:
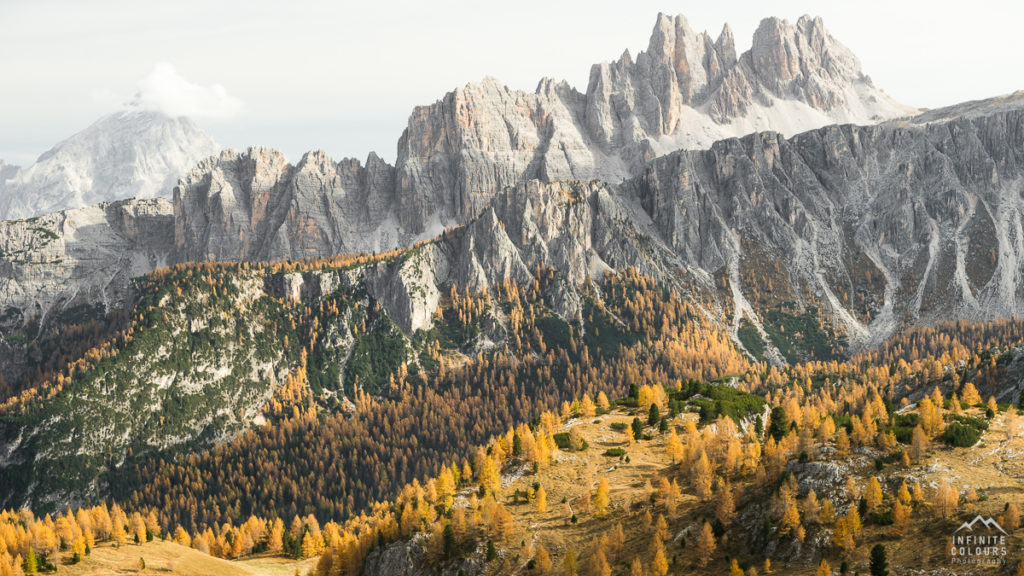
(969, 394)
(918, 444)
(725, 505)
(659, 564)
(601, 500)
(1010, 520)
(945, 500)
(873, 495)
(900, 519)
(790, 517)
(542, 560)
(490, 477)
(903, 495)
(674, 447)
(569, 563)
(706, 545)
(702, 477)
(842, 536)
(542, 499)
(812, 508)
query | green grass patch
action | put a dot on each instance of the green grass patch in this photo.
(751, 339)
(802, 336)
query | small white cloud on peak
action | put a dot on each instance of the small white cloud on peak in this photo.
(166, 91)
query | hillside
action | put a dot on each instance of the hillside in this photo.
(218, 359)
(349, 412)
(162, 557)
(658, 493)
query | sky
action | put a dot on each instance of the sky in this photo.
(343, 76)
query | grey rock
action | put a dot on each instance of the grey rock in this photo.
(825, 478)
(406, 558)
(919, 223)
(307, 287)
(408, 288)
(86, 256)
(254, 205)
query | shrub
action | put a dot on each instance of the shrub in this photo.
(962, 435)
(562, 440)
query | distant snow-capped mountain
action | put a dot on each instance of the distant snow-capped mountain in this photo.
(128, 154)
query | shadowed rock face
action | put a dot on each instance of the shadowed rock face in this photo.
(885, 226)
(877, 227)
(255, 206)
(86, 256)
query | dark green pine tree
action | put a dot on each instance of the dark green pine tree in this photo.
(879, 565)
(638, 429)
(449, 541)
(779, 425)
(653, 416)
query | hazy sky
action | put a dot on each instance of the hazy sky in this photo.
(343, 76)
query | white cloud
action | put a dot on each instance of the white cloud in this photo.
(167, 91)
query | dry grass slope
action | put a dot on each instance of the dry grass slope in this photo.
(169, 558)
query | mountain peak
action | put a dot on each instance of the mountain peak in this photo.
(726, 44)
(126, 154)
(803, 62)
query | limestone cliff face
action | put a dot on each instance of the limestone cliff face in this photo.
(579, 229)
(885, 226)
(76, 257)
(456, 153)
(409, 288)
(684, 91)
(254, 205)
(94, 249)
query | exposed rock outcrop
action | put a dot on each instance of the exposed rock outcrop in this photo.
(685, 91)
(77, 257)
(308, 286)
(884, 226)
(406, 558)
(255, 206)
(88, 254)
